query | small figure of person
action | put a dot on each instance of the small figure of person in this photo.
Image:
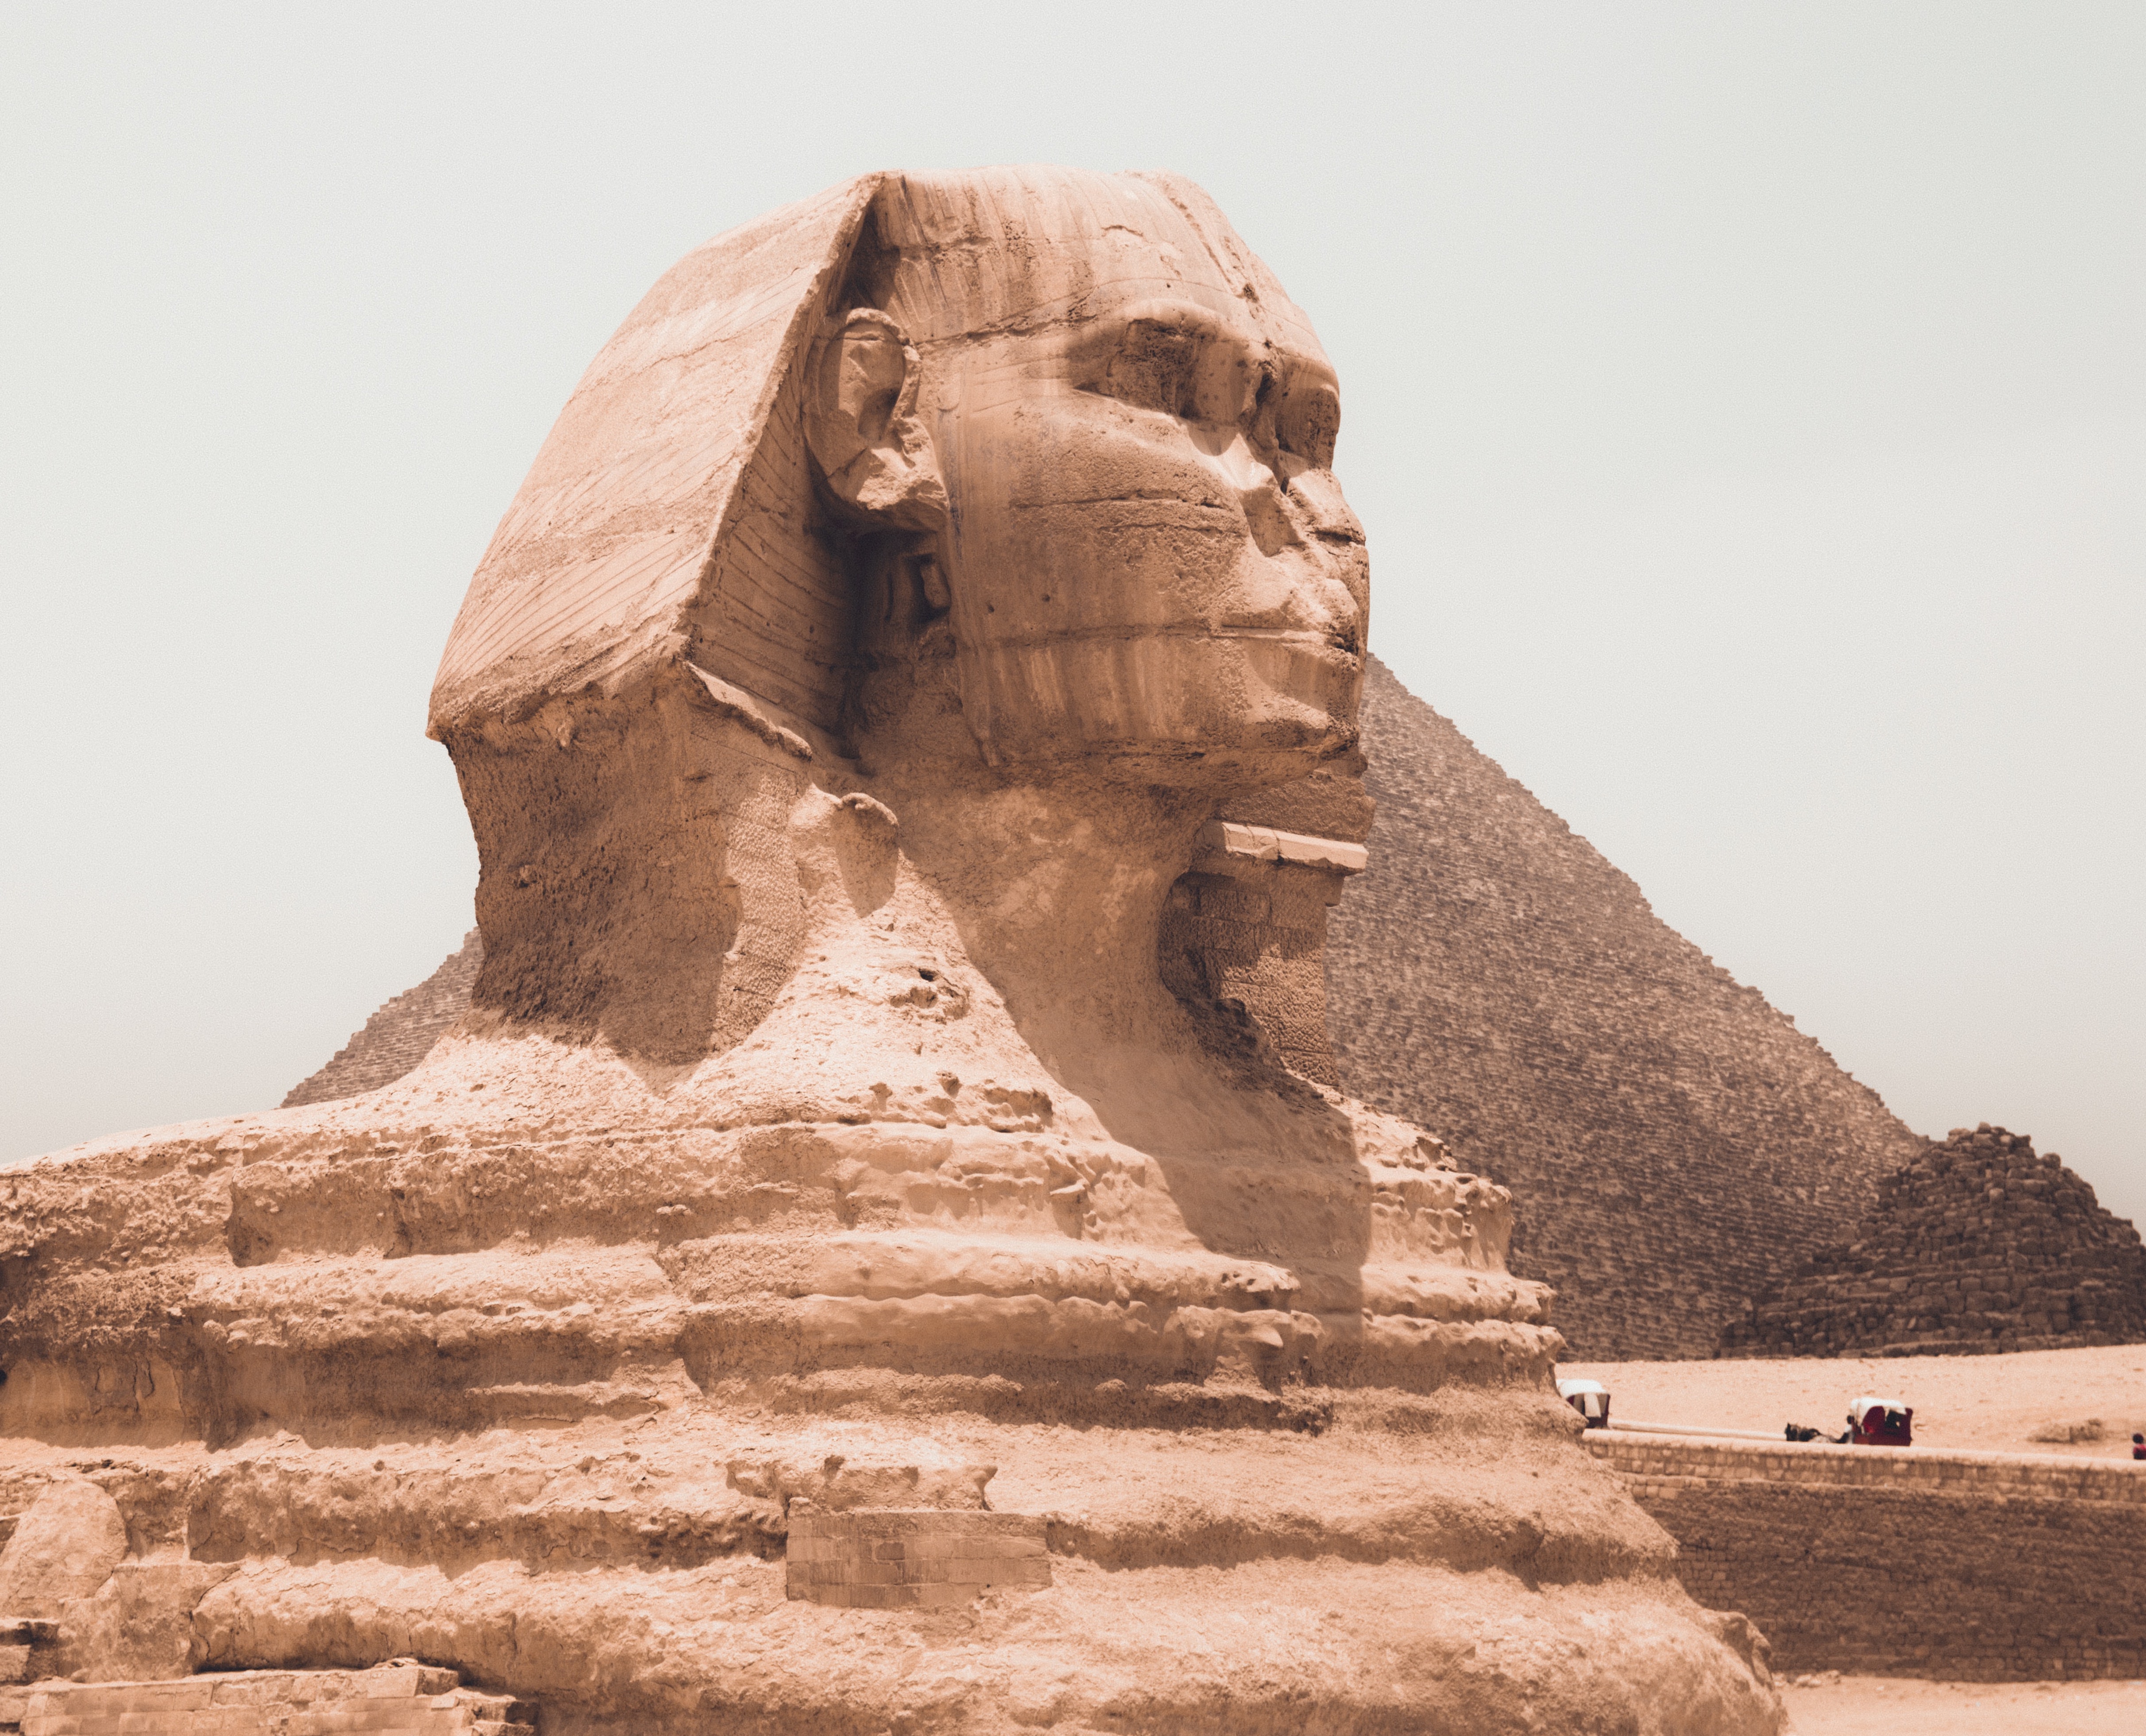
(2138, 1446)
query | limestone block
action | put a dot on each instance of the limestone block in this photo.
(138, 1622)
(65, 1547)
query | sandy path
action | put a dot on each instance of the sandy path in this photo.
(1880, 1706)
(1991, 1403)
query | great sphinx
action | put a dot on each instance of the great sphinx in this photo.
(933, 604)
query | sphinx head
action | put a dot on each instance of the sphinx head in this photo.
(1089, 442)
(999, 477)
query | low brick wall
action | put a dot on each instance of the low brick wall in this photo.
(390, 1700)
(886, 1559)
(1970, 1566)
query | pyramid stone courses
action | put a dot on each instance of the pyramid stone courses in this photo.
(400, 1034)
(1979, 1245)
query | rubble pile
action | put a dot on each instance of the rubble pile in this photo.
(1978, 1244)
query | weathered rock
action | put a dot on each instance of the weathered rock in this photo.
(65, 1547)
(1491, 976)
(401, 1699)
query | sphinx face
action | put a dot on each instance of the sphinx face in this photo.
(1149, 554)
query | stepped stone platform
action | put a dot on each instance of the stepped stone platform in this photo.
(1977, 1246)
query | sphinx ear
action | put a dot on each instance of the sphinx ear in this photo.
(860, 423)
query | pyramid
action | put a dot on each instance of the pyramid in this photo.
(1977, 1246)
(400, 1034)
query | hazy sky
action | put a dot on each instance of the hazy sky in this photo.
(1747, 404)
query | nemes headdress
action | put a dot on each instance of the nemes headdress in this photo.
(667, 518)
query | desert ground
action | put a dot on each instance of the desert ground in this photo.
(1884, 1706)
(2026, 1402)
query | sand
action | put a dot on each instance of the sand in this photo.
(1993, 1403)
(1834, 1705)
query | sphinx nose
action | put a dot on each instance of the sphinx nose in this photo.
(1268, 515)
(1246, 471)
(1259, 492)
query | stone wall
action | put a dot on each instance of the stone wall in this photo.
(1977, 1246)
(1673, 1144)
(1965, 1566)
(402, 1698)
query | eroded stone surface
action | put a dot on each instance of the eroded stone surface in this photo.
(1493, 977)
(403, 1698)
(64, 1547)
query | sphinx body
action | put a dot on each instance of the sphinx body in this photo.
(934, 606)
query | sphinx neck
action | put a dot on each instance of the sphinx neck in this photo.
(1058, 891)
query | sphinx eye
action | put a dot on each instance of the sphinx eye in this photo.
(1155, 365)
(1308, 420)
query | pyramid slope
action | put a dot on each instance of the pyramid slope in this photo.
(399, 1034)
(1977, 1246)
(1673, 1143)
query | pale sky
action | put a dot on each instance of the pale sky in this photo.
(1747, 404)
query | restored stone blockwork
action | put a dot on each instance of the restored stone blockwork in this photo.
(1963, 1566)
(913, 1558)
(402, 1698)
(1672, 1143)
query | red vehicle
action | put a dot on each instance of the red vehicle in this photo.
(1881, 1423)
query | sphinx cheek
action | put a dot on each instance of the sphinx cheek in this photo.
(1082, 517)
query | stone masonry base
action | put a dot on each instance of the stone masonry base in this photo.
(1965, 1566)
